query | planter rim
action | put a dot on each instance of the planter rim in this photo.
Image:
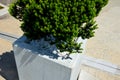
(50, 56)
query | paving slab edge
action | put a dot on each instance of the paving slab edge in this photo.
(9, 37)
(3, 11)
(89, 61)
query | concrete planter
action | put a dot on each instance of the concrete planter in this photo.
(3, 11)
(35, 65)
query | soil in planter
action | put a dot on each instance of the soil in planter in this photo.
(1, 7)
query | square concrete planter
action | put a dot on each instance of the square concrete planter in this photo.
(33, 64)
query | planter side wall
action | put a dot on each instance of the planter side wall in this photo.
(32, 65)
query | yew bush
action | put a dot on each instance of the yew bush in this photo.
(65, 20)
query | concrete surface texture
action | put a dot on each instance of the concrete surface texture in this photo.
(10, 25)
(1, 78)
(41, 62)
(4, 46)
(105, 44)
(3, 11)
(6, 2)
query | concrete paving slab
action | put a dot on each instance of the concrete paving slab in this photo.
(1, 78)
(105, 45)
(4, 46)
(96, 74)
(86, 76)
(3, 11)
(10, 25)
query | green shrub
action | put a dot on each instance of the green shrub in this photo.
(63, 19)
(1, 7)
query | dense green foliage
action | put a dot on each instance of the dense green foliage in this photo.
(65, 20)
(1, 7)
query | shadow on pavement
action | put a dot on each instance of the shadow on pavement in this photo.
(8, 66)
